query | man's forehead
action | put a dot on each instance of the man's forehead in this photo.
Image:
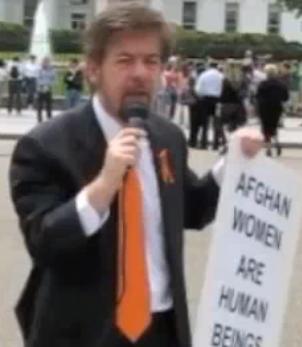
(135, 42)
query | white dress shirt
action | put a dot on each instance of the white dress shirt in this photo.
(31, 70)
(209, 83)
(91, 220)
(159, 279)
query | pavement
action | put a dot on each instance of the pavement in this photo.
(14, 126)
(15, 263)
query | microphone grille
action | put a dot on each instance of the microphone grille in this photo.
(136, 110)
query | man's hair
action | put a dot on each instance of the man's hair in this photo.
(125, 18)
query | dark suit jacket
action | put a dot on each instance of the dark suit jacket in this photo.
(69, 299)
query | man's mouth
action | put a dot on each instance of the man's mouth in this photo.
(137, 97)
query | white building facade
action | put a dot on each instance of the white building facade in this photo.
(243, 16)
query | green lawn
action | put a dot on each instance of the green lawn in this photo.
(59, 58)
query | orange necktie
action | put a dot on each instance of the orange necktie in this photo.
(133, 308)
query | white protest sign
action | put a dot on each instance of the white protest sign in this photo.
(251, 257)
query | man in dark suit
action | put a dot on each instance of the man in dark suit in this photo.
(82, 223)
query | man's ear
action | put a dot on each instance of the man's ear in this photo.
(92, 70)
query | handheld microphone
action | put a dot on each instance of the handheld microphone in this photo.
(135, 114)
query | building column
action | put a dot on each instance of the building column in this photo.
(100, 5)
(157, 5)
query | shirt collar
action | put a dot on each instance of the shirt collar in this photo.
(107, 123)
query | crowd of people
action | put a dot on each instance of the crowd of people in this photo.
(197, 95)
(225, 95)
(30, 84)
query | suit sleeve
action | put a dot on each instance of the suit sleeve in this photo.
(201, 198)
(47, 213)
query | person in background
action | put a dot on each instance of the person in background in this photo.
(195, 109)
(3, 81)
(45, 81)
(284, 75)
(245, 88)
(31, 71)
(294, 89)
(258, 75)
(271, 95)
(248, 60)
(161, 104)
(73, 80)
(171, 79)
(15, 79)
(300, 83)
(232, 112)
(209, 88)
(185, 97)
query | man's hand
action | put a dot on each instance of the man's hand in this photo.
(251, 141)
(122, 153)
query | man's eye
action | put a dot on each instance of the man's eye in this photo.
(124, 61)
(153, 61)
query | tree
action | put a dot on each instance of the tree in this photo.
(293, 5)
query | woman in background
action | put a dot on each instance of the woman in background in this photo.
(271, 95)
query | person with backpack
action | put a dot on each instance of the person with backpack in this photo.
(14, 86)
(73, 80)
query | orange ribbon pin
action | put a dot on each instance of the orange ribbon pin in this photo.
(165, 167)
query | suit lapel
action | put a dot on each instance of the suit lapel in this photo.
(158, 141)
(90, 144)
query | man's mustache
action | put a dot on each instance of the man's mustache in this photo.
(138, 90)
(137, 94)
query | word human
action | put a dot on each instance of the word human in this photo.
(264, 195)
(243, 304)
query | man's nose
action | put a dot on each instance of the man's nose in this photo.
(139, 69)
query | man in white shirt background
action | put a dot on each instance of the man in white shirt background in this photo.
(209, 89)
(102, 203)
